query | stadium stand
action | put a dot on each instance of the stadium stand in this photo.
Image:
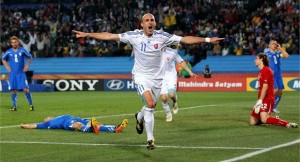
(242, 64)
(244, 24)
(123, 65)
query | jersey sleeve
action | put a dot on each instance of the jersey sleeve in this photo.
(177, 58)
(5, 56)
(27, 54)
(128, 37)
(173, 40)
(124, 37)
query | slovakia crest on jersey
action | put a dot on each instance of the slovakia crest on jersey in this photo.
(168, 58)
(20, 54)
(155, 46)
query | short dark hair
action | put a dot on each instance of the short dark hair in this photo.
(264, 57)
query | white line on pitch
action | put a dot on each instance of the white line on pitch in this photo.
(108, 116)
(159, 111)
(124, 145)
(261, 151)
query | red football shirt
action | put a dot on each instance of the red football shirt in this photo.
(265, 76)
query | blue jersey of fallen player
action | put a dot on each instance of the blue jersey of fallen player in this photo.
(275, 62)
(61, 122)
(16, 59)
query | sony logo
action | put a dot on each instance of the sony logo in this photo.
(73, 85)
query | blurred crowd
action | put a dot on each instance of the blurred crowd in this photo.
(45, 29)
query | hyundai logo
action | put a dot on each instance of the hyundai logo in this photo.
(115, 84)
(294, 84)
(254, 84)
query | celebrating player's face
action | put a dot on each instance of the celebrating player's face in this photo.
(14, 43)
(148, 24)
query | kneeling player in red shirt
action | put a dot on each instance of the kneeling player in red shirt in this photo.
(261, 112)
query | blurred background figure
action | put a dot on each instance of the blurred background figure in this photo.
(207, 72)
(186, 74)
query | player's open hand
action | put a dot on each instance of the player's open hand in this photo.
(8, 69)
(216, 40)
(193, 75)
(25, 68)
(79, 34)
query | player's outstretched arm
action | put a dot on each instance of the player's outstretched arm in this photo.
(194, 40)
(28, 126)
(101, 36)
(185, 66)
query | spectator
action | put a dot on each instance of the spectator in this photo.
(293, 49)
(209, 49)
(40, 45)
(217, 49)
(207, 72)
(234, 20)
(73, 51)
(180, 50)
(238, 51)
(225, 50)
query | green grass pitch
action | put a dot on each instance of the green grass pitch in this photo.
(210, 126)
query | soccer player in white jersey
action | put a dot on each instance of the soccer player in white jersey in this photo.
(169, 84)
(148, 45)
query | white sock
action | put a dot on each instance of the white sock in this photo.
(149, 123)
(141, 114)
(166, 107)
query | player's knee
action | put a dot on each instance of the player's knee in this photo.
(279, 93)
(151, 104)
(164, 99)
(25, 90)
(263, 120)
(263, 117)
(172, 95)
(252, 122)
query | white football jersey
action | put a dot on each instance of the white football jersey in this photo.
(148, 51)
(169, 58)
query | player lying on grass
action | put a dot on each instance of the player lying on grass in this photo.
(262, 110)
(68, 122)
